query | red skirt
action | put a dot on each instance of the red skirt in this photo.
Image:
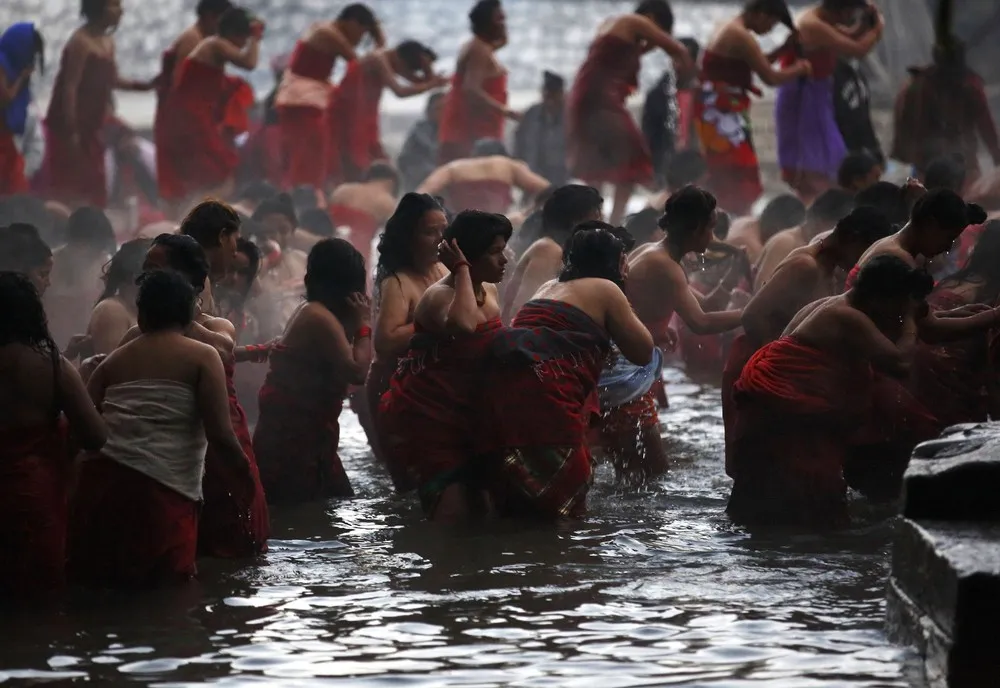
(34, 471)
(128, 530)
(12, 179)
(305, 143)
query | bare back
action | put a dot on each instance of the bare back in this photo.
(371, 198)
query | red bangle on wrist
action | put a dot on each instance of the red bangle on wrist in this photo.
(363, 331)
(460, 264)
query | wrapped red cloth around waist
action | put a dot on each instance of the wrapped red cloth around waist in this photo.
(465, 121)
(308, 62)
(485, 194)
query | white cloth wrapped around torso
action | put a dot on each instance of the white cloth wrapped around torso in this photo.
(154, 427)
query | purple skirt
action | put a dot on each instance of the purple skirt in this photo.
(808, 137)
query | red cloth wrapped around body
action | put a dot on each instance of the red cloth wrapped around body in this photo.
(205, 159)
(167, 178)
(260, 156)
(75, 174)
(298, 429)
(12, 179)
(234, 522)
(353, 117)
(741, 350)
(604, 142)
(542, 401)
(796, 407)
(34, 473)
(486, 195)
(305, 132)
(426, 418)
(362, 225)
(376, 385)
(128, 530)
(465, 120)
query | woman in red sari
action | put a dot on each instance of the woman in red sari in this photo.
(209, 13)
(430, 414)
(200, 101)
(729, 63)
(605, 145)
(163, 396)
(305, 91)
(45, 408)
(476, 106)
(21, 47)
(325, 348)
(407, 267)
(543, 381)
(353, 114)
(73, 171)
(801, 398)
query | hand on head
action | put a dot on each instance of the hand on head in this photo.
(451, 255)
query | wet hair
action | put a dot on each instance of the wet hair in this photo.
(947, 209)
(412, 54)
(594, 250)
(209, 221)
(92, 10)
(360, 14)
(566, 208)
(475, 231)
(890, 277)
(839, 5)
(643, 224)
(166, 299)
(257, 192)
(334, 271)
(831, 207)
(395, 244)
(481, 16)
(864, 225)
(22, 316)
(686, 213)
(378, 171)
(783, 212)
(212, 7)
(723, 224)
(304, 198)
(886, 197)
(984, 263)
(318, 222)
(186, 256)
(552, 82)
(90, 227)
(772, 8)
(659, 11)
(124, 267)
(686, 167)
(277, 205)
(22, 248)
(946, 172)
(235, 22)
(485, 148)
(854, 166)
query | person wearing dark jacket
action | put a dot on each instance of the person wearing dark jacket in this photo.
(418, 157)
(540, 139)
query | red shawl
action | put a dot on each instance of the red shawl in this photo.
(354, 121)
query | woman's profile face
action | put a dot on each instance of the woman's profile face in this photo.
(427, 237)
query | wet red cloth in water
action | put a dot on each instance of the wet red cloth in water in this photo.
(234, 522)
(795, 409)
(354, 121)
(34, 471)
(75, 174)
(741, 350)
(298, 430)
(205, 159)
(12, 179)
(465, 120)
(604, 143)
(542, 402)
(362, 225)
(427, 416)
(486, 195)
(723, 121)
(305, 134)
(128, 530)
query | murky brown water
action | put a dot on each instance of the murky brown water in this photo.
(654, 588)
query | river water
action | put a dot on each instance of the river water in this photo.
(654, 588)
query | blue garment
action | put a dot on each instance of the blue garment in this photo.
(17, 52)
(622, 382)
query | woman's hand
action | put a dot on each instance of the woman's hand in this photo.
(361, 307)
(451, 255)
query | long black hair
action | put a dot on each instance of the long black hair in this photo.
(186, 256)
(334, 271)
(124, 267)
(22, 321)
(594, 250)
(983, 264)
(395, 244)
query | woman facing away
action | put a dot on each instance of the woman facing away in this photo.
(605, 144)
(46, 409)
(326, 347)
(407, 266)
(115, 313)
(728, 66)
(543, 382)
(137, 503)
(428, 416)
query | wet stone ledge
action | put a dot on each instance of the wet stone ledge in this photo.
(944, 586)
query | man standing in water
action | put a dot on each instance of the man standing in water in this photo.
(657, 287)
